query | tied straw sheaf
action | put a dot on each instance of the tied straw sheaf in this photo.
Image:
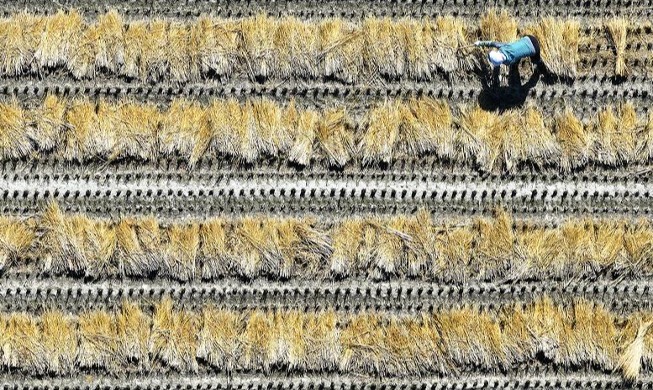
(374, 247)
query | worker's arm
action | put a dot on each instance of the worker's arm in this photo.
(489, 44)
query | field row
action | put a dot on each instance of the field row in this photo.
(38, 294)
(82, 130)
(373, 247)
(576, 335)
(540, 201)
(306, 9)
(588, 94)
(262, 47)
(523, 380)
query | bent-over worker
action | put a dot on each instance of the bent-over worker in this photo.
(511, 53)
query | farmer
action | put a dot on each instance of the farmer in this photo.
(511, 53)
(495, 94)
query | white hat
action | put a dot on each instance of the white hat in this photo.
(496, 57)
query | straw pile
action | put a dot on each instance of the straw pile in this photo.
(397, 247)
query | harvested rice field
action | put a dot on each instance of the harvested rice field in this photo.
(301, 195)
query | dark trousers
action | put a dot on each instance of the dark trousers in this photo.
(536, 59)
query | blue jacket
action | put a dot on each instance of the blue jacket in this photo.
(516, 50)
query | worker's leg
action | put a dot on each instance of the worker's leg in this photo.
(514, 77)
(536, 58)
(495, 79)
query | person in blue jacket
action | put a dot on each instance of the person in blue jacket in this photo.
(511, 54)
(494, 94)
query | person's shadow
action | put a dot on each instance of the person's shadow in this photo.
(495, 96)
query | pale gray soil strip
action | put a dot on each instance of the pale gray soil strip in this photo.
(339, 188)
(68, 294)
(208, 194)
(529, 379)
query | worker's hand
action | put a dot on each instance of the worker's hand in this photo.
(485, 43)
